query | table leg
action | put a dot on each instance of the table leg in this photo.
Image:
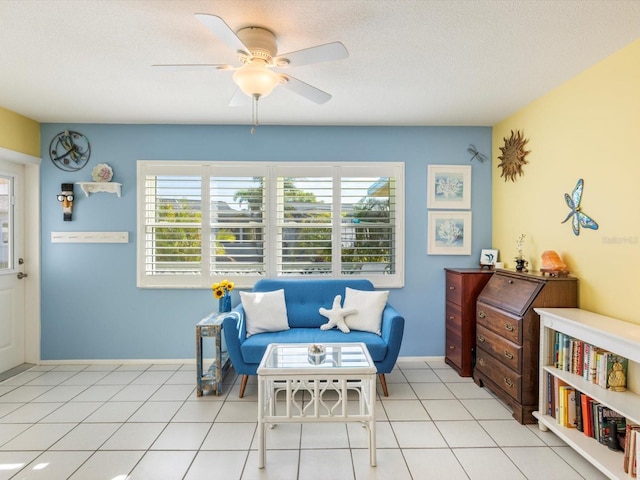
(198, 362)
(261, 429)
(372, 422)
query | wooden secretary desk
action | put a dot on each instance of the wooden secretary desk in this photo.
(508, 334)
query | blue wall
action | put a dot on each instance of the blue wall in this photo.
(91, 307)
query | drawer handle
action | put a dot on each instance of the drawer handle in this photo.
(452, 288)
(508, 382)
(510, 281)
(508, 327)
(452, 347)
(481, 362)
(481, 314)
(481, 338)
(508, 355)
(452, 318)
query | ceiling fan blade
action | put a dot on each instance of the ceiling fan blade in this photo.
(312, 93)
(306, 56)
(239, 99)
(221, 30)
(196, 67)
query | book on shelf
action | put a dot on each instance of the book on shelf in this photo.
(578, 402)
(592, 363)
(587, 423)
(571, 408)
(551, 404)
(607, 417)
(586, 363)
(631, 450)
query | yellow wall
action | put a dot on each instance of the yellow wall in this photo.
(18, 133)
(588, 128)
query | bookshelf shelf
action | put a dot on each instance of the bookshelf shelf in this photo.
(605, 460)
(611, 334)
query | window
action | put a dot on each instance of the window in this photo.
(6, 222)
(201, 222)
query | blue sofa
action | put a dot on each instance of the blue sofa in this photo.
(303, 299)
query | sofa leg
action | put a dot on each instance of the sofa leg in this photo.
(383, 384)
(243, 385)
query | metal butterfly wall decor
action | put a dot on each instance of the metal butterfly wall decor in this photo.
(578, 218)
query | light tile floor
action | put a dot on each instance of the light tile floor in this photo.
(132, 422)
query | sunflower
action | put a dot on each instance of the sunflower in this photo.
(222, 289)
(218, 293)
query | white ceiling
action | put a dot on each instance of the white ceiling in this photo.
(411, 62)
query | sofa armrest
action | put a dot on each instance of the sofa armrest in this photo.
(392, 330)
(235, 322)
(235, 333)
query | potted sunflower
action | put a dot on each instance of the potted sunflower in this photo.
(222, 292)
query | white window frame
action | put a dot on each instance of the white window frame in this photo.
(271, 171)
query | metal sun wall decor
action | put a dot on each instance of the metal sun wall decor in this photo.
(578, 218)
(513, 156)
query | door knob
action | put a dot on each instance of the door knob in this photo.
(22, 275)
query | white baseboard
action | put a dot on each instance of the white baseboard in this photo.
(170, 361)
(120, 361)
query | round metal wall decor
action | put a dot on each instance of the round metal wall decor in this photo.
(69, 151)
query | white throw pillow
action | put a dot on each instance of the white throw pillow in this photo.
(264, 311)
(369, 305)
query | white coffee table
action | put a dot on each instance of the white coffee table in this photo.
(286, 371)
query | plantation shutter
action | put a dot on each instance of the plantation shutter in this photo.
(368, 227)
(304, 221)
(172, 236)
(237, 224)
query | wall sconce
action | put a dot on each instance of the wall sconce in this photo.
(66, 198)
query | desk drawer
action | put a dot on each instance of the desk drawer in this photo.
(454, 318)
(507, 352)
(454, 288)
(505, 378)
(504, 324)
(453, 348)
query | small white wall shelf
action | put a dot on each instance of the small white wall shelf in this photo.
(94, 187)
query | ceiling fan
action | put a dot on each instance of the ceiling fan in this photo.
(260, 66)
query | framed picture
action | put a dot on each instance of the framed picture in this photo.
(449, 233)
(488, 256)
(449, 186)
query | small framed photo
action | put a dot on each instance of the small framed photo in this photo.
(449, 233)
(449, 186)
(488, 256)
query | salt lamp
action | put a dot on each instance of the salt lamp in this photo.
(553, 264)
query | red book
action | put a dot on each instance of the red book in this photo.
(587, 419)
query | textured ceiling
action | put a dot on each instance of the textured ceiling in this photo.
(411, 62)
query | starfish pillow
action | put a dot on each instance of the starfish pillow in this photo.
(336, 315)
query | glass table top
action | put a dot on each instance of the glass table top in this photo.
(337, 355)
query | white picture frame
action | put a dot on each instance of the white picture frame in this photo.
(449, 233)
(449, 187)
(488, 256)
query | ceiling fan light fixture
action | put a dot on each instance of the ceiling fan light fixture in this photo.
(255, 79)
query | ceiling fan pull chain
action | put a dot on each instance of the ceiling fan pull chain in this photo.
(254, 114)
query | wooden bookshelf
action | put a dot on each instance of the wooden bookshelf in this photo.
(617, 336)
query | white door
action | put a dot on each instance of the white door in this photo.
(12, 321)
